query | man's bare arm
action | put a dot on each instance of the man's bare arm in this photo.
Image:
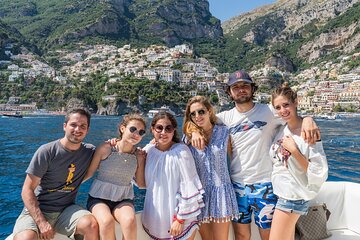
(310, 131)
(32, 205)
(197, 140)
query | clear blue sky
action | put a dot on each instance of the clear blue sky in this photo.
(225, 9)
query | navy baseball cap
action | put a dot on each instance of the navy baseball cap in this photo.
(239, 76)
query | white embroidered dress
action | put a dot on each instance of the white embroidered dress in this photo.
(173, 188)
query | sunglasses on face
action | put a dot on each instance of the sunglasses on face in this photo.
(168, 129)
(133, 129)
(200, 112)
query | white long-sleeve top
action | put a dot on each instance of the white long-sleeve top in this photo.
(292, 182)
(173, 188)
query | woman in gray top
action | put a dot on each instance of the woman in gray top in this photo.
(111, 194)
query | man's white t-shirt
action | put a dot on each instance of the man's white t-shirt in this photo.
(251, 136)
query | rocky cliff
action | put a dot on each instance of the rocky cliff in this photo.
(342, 38)
(125, 107)
(293, 13)
(300, 31)
(175, 21)
(170, 22)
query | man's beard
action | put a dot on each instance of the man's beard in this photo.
(242, 100)
(74, 140)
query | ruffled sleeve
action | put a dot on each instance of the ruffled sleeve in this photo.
(317, 171)
(189, 195)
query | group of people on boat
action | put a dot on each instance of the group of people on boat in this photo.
(255, 161)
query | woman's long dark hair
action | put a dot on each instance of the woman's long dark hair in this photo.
(162, 115)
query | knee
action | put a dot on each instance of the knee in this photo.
(26, 235)
(243, 235)
(106, 222)
(129, 221)
(87, 224)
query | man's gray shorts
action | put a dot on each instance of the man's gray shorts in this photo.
(63, 222)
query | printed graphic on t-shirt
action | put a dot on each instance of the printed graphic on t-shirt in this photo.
(246, 125)
(71, 173)
(281, 154)
(69, 180)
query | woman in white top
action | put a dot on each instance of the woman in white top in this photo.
(111, 194)
(299, 169)
(173, 197)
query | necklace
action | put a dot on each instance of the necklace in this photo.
(117, 147)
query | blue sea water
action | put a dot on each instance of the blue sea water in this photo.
(19, 139)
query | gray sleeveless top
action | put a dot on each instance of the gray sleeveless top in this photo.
(115, 174)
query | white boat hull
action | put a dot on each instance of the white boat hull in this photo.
(341, 198)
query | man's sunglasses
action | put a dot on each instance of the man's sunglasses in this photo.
(201, 112)
(168, 129)
(141, 132)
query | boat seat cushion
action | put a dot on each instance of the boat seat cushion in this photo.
(344, 234)
(343, 201)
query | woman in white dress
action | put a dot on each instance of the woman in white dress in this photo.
(173, 198)
(299, 169)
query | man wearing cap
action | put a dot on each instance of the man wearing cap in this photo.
(252, 129)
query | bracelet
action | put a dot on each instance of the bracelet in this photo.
(181, 221)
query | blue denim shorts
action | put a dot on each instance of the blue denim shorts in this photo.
(293, 206)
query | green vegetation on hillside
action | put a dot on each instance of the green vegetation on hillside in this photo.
(11, 35)
(44, 21)
(41, 90)
(349, 17)
(51, 95)
(52, 23)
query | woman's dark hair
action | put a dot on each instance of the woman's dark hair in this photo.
(284, 90)
(162, 115)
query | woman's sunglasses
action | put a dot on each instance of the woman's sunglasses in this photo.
(200, 112)
(141, 132)
(159, 128)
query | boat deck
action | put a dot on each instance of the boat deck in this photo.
(341, 198)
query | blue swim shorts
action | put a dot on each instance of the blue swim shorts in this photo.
(293, 206)
(257, 198)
